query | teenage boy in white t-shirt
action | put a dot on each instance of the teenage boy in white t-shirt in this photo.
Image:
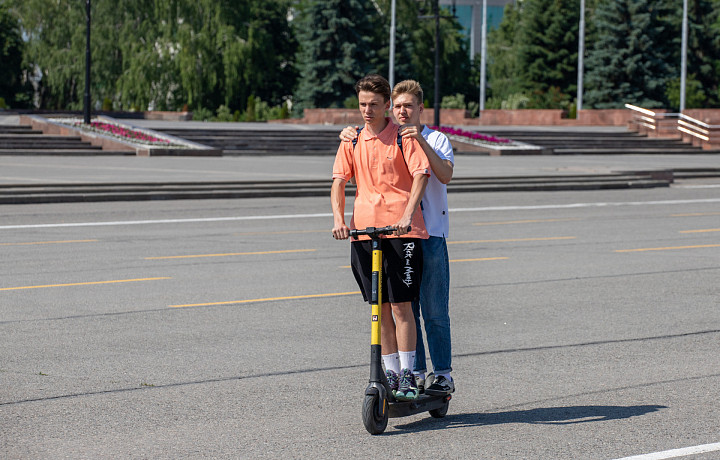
(407, 97)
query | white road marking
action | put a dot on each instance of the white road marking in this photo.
(163, 221)
(327, 214)
(674, 453)
(697, 186)
(587, 205)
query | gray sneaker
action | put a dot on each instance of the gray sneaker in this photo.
(441, 386)
(420, 384)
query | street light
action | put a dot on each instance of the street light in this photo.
(581, 55)
(483, 58)
(391, 72)
(87, 64)
(436, 12)
(683, 57)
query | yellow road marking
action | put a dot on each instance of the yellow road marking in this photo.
(84, 284)
(231, 254)
(282, 233)
(532, 221)
(482, 259)
(48, 242)
(701, 231)
(514, 240)
(695, 214)
(267, 299)
(669, 248)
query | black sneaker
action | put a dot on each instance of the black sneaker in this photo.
(441, 386)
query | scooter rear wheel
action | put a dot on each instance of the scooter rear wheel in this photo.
(375, 414)
(441, 411)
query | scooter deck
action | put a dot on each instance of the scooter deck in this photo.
(424, 403)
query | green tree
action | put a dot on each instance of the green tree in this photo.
(630, 61)
(13, 90)
(548, 47)
(703, 56)
(161, 53)
(456, 72)
(503, 63)
(337, 47)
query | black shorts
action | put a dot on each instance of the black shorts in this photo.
(402, 268)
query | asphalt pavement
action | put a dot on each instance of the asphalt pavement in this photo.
(585, 326)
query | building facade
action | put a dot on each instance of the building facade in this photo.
(469, 14)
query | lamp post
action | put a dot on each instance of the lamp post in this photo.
(683, 56)
(86, 104)
(581, 55)
(391, 72)
(483, 58)
(436, 12)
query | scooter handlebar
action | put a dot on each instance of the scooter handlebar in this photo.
(373, 231)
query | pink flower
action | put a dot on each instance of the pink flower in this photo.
(470, 135)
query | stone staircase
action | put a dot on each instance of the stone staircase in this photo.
(23, 140)
(576, 142)
(324, 141)
(291, 141)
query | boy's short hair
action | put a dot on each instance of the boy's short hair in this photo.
(374, 83)
(409, 87)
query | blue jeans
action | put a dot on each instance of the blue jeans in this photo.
(434, 308)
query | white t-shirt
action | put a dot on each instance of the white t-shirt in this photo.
(434, 202)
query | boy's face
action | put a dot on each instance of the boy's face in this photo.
(406, 109)
(372, 106)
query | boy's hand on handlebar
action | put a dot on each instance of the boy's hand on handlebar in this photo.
(403, 226)
(341, 232)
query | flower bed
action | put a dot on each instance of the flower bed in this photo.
(473, 136)
(121, 132)
(125, 133)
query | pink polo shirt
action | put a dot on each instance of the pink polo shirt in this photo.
(384, 180)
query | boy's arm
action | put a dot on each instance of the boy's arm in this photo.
(340, 231)
(442, 168)
(416, 193)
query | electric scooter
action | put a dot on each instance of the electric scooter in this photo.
(379, 403)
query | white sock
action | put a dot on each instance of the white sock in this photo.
(407, 359)
(447, 376)
(392, 362)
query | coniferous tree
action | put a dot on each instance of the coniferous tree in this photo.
(503, 63)
(337, 48)
(548, 46)
(703, 55)
(12, 88)
(630, 60)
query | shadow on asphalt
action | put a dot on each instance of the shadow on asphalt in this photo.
(543, 416)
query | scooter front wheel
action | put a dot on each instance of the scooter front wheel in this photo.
(375, 414)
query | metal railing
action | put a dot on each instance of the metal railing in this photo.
(689, 128)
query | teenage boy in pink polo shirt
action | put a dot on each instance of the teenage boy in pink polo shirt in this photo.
(390, 185)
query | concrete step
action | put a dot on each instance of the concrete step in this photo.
(31, 193)
(76, 151)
